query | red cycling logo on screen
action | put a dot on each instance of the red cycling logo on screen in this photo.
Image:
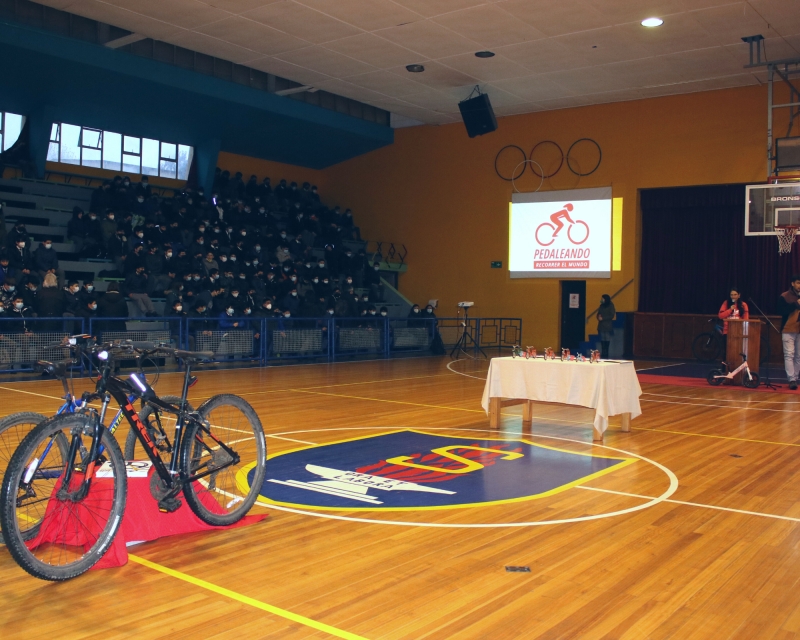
(577, 230)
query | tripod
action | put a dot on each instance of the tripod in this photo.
(767, 382)
(465, 340)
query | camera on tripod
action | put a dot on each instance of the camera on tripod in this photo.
(465, 305)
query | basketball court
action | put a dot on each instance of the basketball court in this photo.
(684, 525)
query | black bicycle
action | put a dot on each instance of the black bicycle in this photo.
(60, 510)
(708, 346)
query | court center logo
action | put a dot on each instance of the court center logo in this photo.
(411, 470)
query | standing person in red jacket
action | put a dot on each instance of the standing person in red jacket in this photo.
(734, 308)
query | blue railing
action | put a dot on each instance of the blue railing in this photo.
(261, 341)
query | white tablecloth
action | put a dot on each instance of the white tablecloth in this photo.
(610, 388)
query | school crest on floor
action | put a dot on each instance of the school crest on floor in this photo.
(417, 470)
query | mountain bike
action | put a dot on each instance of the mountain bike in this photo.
(708, 346)
(60, 511)
(14, 427)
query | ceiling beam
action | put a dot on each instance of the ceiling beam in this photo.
(121, 42)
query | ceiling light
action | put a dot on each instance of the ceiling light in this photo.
(484, 54)
(652, 22)
(415, 68)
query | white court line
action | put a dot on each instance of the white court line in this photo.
(291, 439)
(466, 375)
(670, 395)
(722, 406)
(663, 366)
(694, 504)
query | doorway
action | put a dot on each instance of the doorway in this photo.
(573, 314)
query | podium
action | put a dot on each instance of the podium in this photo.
(744, 336)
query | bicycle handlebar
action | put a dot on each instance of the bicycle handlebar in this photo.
(178, 353)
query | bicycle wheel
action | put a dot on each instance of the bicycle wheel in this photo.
(133, 448)
(13, 429)
(752, 381)
(715, 377)
(224, 496)
(706, 347)
(72, 532)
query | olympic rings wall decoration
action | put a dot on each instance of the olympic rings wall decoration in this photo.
(521, 160)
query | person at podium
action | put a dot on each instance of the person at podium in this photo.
(734, 308)
(789, 308)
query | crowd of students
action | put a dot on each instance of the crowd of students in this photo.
(245, 249)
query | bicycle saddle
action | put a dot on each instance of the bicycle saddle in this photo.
(57, 369)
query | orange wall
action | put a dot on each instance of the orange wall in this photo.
(435, 190)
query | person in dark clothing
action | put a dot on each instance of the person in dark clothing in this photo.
(605, 318)
(112, 305)
(789, 308)
(49, 303)
(18, 234)
(136, 286)
(20, 312)
(20, 258)
(88, 311)
(372, 279)
(72, 298)
(45, 260)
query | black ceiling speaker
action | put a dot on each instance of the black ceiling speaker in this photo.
(478, 115)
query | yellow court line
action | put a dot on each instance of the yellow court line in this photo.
(706, 435)
(283, 613)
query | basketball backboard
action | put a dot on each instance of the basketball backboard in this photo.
(768, 205)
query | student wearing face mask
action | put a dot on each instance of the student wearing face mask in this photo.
(72, 300)
(109, 226)
(20, 258)
(88, 310)
(372, 279)
(20, 312)
(136, 286)
(8, 291)
(415, 317)
(31, 291)
(93, 237)
(291, 301)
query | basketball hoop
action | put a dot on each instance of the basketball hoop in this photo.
(786, 235)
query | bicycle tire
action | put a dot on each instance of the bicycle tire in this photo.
(13, 429)
(752, 381)
(706, 347)
(91, 522)
(133, 448)
(226, 496)
(713, 379)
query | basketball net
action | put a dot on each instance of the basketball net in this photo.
(786, 236)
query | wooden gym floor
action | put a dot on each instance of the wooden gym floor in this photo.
(717, 558)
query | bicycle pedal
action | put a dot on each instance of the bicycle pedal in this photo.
(169, 505)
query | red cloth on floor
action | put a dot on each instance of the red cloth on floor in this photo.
(72, 523)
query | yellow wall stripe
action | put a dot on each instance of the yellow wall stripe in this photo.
(308, 622)
(616, 234)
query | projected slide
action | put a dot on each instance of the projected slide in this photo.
(560, 234)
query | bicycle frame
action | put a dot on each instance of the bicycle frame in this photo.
(731, 374)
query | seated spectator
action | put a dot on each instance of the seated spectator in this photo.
(87, 311)
(7, 292)
(72, 300)
(5, 270)
(87, 291)
(372, 279)
(46, 261)
(76, 229)
(19, 256)
(30, 292)
(19, 311)
(112, 305)
(50, 301)
(136, 288)
(108, 227)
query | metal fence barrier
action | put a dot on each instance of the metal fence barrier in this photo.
(261, 340)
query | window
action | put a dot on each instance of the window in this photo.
(90, 147)
(10, 127)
